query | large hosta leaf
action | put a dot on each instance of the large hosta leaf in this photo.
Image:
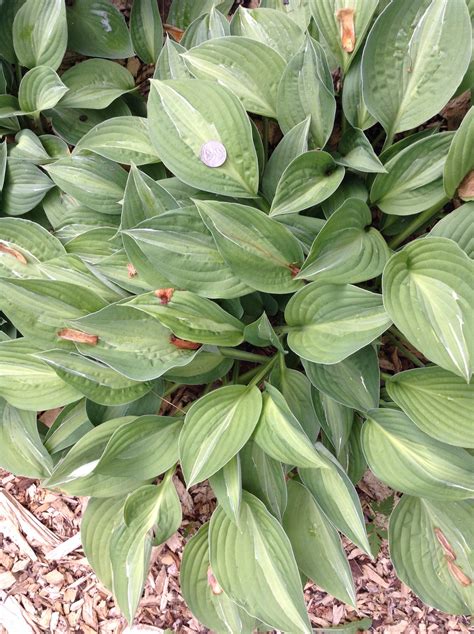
(216, 427)
(353, 103)
(337, 497)
(227, 487)
(270, 27)
(192, 317)
(431, 550)
(329, 322)
(414, 179)
(409, 460)
(25, 187)
(404, 83)
(281, 436)
(122, 139)
(306, 89)
(131, 342)
(179, 246)
(347, 249)
(97, 28)
(187, 115)
(40, 89)
(170, 64)
(250, 69)
(354, 382)
(207, 26)
(458, 226)
(146, 30)
(183, 12)
(96, 381)
(93, 180)
(254, 564)
(40, 33)
(343, 25)
(27, 382)
(459, 165)
(22, 452)
(260, 251)
(207, 602)
(41, 308)
(428, 294)
(437, 401)
(316, 544)
(308, 180)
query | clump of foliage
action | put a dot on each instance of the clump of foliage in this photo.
(151, 244)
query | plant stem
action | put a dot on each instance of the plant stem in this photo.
(172, 389)
(388, 140)
(418, 222)
(385, 376)
(265, 137)
(242, 355)
(235, 371)
(263, 371)
(38, 123)
(246, 376)
(18, 74)
(409, 355)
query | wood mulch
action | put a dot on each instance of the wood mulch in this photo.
(46, 584)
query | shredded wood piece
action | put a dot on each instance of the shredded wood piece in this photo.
(184, 344)
(457, 573)
(445, 545)
(345, 18)
(164, 295)
(132, 271)
(78, 337)
(16, 254)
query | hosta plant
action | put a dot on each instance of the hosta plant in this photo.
(283, 204)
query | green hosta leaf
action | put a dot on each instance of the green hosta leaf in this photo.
(308, 180)
(260, 333)
(297, 10)
(184, 117)
(101, 517)
(316, 544)
(296, 390)
(281, 436)
(337, 497)
(40, 89)
(93, 180)
(41, 308)
(304, 228)
(96, 28)
(259, 250)
(9, 10)
(146, 30)
(306, 89)
(409, 460)
(294, 143)
(96, 381)
(265, 585)
(250, 69)
(437, 401)
(151, 402)
(170, 64)
(403, 82)
(71, 124)
(69, 426)
(353, 103)
(330, 18)
(142, 449)
(22, 450)
(93, 244)
(207, 26)
(95, 83)
(270, 27)
(227, 487)
(179, 246)
(427, 294)
(336, 420)
(75, 472)
(182, 12)
(355, 151)
(214, 610)
(353, 382)
(9, 106)
(3, 163)
(27, 382)
(32, 148)
(191, 317)
(458, 226)
(134, 344)
(206, 367)
(124, 140)
(40, 33)
(25, 187)
(430, 549)
(217, 426)
(459, 166)
(264, 477)
(329, 322)
(347, 249)
(414, 181)
(29, 239)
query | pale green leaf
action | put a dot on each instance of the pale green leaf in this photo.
(458, 225)
(146, 30)
(353, 103)
(227, 487)
(460, 162)
(40, 89)
(207, 26)
(25, 187)
(355, 151)
(170, 63)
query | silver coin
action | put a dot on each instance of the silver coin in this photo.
(213, 154)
